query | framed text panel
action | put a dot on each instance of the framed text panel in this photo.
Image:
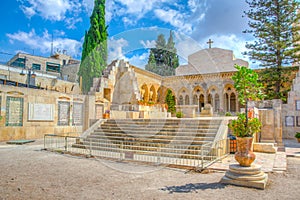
(14, 111)
(63, 113)
(40, 112)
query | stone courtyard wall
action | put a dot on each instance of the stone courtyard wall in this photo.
(30, 113)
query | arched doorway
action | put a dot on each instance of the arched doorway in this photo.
(232, 102)
(201, 102)
(187, 100)
(180, 101)
(217, 103)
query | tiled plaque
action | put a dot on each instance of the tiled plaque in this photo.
(14, 111)
(77, 114)
(63, 113)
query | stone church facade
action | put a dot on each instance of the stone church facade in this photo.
(206, 79)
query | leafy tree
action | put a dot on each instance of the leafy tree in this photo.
(274, 24)
(170, 101)
(94, 52)
(248, 87)
(163, 59)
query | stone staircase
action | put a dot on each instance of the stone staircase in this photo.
(155, 140)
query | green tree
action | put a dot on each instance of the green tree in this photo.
(274, 24)
(248, 87)
(170, 101)
(94, 51)
(163, 59)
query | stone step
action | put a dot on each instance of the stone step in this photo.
(158, 135)
(153, 132)
(163, 127)
(158, 150)
(161, 122)
(150, 140)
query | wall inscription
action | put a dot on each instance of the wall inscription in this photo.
(14, 111)
(63, 113)
(40, 112)
(77, 114)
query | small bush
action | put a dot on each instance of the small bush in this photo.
(297, 135)
(228, 114)
(179, 114)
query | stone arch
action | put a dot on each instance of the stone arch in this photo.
(161, 94)
(180, 100)
(211, 93)
(145, 93)
(199, 93)
(195, 99)
(187, 100)
(217, 102)
(152, 94)
(230, 100)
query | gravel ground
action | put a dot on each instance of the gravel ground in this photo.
(27, 172)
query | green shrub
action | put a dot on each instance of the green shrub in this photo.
(297, 135)
(179, 114)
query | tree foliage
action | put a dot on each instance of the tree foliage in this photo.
(94, 51)
(163, 59)
(248, 88)
(274, 24)
(170, 101)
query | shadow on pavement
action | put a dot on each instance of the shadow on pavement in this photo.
(193, 187)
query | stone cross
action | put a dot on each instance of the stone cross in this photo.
(210, 42)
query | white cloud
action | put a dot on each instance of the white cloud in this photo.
(231, 42)
(148, 43)
(175, 18)
(139, 60)
(54, 10)
(43, 43)
(115, 48)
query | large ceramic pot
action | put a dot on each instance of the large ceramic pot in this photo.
(244, 155)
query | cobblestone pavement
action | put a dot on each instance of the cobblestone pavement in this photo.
(27, 172)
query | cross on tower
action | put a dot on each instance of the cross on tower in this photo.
(209, 43)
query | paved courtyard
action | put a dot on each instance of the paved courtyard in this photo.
(27, 172)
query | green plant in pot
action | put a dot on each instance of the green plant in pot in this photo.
(248, 88)
(297, 135)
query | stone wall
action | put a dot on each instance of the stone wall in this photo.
(30, 113)
(291, 110)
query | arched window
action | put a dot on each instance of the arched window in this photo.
(180, 100)
(187, 100)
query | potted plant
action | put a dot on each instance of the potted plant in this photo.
(298, 136)
(106, 114)
(248, 88)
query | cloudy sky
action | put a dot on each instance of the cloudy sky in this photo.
(133, 26)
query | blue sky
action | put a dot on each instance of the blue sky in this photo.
(133, 26)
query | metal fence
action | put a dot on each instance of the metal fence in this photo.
(166, 154)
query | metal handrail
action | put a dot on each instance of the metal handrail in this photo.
(210, 152)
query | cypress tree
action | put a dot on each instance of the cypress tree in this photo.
(274, 24)
(94, 51)
(170, 101)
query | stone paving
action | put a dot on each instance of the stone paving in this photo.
(269, 162)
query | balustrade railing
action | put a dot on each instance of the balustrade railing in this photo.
(164, 154)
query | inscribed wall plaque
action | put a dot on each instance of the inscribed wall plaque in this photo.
(77, 114)
(14, 111)
(63, 113)
(40, 112)
(289, 121)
